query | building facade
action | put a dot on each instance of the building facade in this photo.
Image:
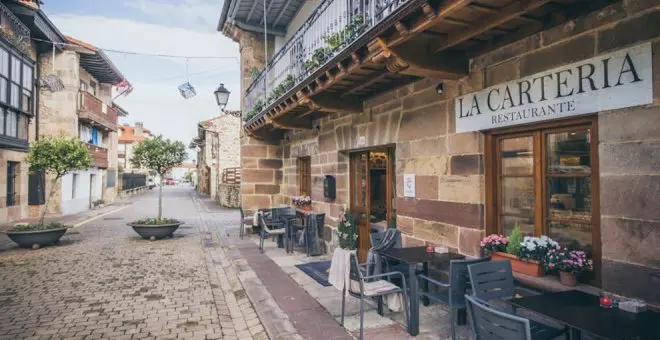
(217, 149)
(457, 119)
(83, 108)
(129, 136)
(19, 112)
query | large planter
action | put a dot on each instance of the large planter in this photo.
(529, 267)
(567, 279)
(36, 239)
(153, 232)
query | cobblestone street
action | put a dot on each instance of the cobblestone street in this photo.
(103, 281)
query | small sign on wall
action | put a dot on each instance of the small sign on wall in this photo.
(362, 141)
(409, 185)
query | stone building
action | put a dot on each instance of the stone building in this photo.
(82, 109)
(19, 114)
(217, 149)
(458, 119)
(129, 136)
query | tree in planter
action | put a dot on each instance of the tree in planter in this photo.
(58, 157)
(161, 156)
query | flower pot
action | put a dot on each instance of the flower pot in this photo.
(36, 239)
(529, 267)
(307, 207)
(567, 279)
(156, 231)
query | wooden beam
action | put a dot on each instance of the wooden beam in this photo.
(270, 5)
(331, 103)
(299, 124)
(254, 5)
(486, 9)
(279, 15)
(514, 10)
(367, 83)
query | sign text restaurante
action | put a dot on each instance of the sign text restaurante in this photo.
(615, 80)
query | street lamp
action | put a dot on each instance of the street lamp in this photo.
(221, 96)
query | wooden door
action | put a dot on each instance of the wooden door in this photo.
(360, 200)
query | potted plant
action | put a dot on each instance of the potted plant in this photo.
(304, 202)
(525, 253)
(159, 155)
(56, 157)
(347, 232)
(569, 263)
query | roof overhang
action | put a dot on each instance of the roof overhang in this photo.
(249, 15)
(120, 110)
(40, 25)
(96, 62)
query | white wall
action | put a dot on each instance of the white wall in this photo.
(78, 202)
(300, 18)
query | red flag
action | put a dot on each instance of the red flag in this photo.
(124, 88)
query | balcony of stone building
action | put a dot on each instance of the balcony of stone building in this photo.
(95, 112)
(14, 31)
(349, 51)
(99, 156)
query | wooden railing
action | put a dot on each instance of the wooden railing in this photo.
(93, 109)
(99, 156)
(231, 176)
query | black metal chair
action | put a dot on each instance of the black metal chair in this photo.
(266, 231)
(307, 232)
(362, 286)
(489, 323)
(451, 293)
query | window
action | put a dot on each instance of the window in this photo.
(83, 86)
(305, 176)
(12, 181)
(545, 181)
(36, 187)
(16, 94)
(92, 87)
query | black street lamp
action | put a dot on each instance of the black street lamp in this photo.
(221, 96)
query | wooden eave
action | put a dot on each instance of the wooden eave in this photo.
(422, 39)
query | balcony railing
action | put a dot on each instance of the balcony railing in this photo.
(95, 111)
(99, 156)
(329, 29)
(14, 31)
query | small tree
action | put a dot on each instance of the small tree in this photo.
(58, 157)
(159, 155)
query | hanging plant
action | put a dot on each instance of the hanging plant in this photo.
(187, 90)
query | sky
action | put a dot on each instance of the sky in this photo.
(173, 27)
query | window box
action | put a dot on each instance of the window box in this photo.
(529, 267)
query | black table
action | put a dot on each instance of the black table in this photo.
(582, 313)
(413, 256)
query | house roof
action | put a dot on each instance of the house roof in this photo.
(128, 134)
(30, 13)
(187, 166)
(97, 63)
(248, 15)
(120, 109)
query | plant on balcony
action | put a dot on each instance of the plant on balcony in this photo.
(255, 110)
(56, 157)
(20, 42)
(281, 88)
(254, 73)
(161, 156)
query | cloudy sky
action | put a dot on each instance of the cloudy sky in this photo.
(173, 27)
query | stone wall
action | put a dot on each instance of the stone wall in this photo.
(229, 195)
(450, 205)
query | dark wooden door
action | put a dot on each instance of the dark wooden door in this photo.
(360, 200)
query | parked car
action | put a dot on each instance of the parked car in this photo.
(170, 181)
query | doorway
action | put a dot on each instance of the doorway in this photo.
(92, 190)
(372, 185)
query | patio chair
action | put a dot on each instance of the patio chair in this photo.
(362, 286)
(453, 292)
(307, 232)
(266, 231)
(488, 323)
(493, 280)
(244, 223)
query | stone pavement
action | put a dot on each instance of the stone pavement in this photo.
(103, 281)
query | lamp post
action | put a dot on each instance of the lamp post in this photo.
(221, 96)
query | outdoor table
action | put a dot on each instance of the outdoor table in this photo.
(581, 312)
(413, 256)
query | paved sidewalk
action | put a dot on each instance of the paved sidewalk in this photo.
(103, 281)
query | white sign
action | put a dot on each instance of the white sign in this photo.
(362, 141)
(409, 185)
(612, 81)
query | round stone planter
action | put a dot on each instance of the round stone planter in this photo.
(36, 239)
(153, 232)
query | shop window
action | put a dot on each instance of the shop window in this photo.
(12, 183)
(305, 176)
(545, 181)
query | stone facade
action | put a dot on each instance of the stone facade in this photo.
(218, 151)
(450, 205)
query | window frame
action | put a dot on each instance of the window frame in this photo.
(539, 132)
(24, 111)
(13, 172)
(304, 169)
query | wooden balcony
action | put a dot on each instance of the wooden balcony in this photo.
(93, 111)
(397, 43)
(99, 156)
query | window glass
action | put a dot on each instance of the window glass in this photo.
(26, 102)
(15, 95)
(16, 70)
(4, 62)
(27, 77)
(22, 127)
(568, 152)
(2, 122)
(3, 90)
(517, 156)
(12, 124)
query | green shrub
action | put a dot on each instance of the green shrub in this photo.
(37, 227)
(515, 241)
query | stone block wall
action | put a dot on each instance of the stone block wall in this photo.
(261, 174)
(229, 195)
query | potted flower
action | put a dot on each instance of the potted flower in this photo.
(525, 253)
(56, 157)
(569, 263)
(159, 155)
(303, 202)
